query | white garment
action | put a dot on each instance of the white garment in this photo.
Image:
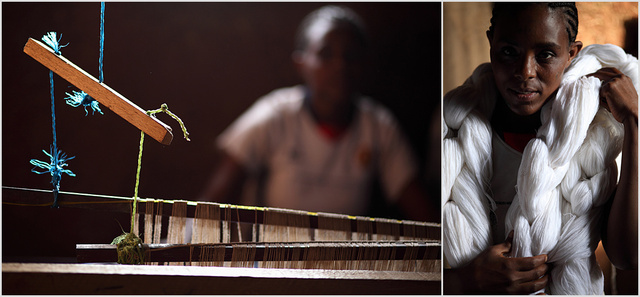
(566, 174)
(506, 162)
(307, 171)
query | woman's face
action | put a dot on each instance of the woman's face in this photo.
(529, 52)
(331, 64)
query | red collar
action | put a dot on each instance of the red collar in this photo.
(518, 141)
(330, 131)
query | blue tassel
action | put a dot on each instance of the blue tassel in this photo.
(81, 98)
(56, 165)
(58, 160)
(51, 40)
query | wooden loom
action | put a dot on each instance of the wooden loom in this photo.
(290, 252)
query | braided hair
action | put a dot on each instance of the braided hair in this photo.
(569, 9)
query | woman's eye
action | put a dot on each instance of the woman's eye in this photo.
(508, 51)
(546, 55)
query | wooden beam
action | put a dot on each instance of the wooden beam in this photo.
(99, 91)
(36, 278)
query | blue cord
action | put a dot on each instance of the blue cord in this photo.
(100, 62)
(81, 98)
(53, 111)
(57, 158)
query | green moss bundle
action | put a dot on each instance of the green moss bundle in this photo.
(130, 249)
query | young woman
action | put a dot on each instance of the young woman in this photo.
(320, 146)
(529, 147)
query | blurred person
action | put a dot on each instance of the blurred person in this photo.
(321, 146)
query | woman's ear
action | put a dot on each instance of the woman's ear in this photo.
(575, 48)
(489, 36)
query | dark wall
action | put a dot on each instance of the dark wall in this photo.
(208, 61)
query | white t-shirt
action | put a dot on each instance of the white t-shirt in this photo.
(307, 171)
(506, 162)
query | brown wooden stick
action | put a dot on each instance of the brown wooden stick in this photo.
(99, 91)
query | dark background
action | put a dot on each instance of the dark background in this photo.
(209, 62)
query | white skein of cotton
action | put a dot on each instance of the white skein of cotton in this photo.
(467, 168)
(566, 174)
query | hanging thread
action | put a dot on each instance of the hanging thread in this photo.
(163, 108)
(57, 159)
(101, 59)
(125, 240)
(135, 190)
(81, 98)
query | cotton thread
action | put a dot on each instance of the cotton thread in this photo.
(138, 169)
(560, 187)
(129, 244)
(163, 108)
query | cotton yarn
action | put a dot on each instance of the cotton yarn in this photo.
(567, 172)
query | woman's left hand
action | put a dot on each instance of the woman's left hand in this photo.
(620, 233)
(617, 94)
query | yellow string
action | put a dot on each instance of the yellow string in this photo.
(163, 108)
(135, 190)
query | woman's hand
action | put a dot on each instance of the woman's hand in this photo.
(620, 233)
(617, 94)
(493, 272)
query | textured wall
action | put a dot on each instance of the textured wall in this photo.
(465, 44)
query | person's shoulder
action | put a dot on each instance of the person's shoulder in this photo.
(284, 99)
(370, 108)
(271, 108)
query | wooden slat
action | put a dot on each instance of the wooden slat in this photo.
(99, 91)
(27, 278)
(98, 253)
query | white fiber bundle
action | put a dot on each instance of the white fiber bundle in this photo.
(567, 172)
